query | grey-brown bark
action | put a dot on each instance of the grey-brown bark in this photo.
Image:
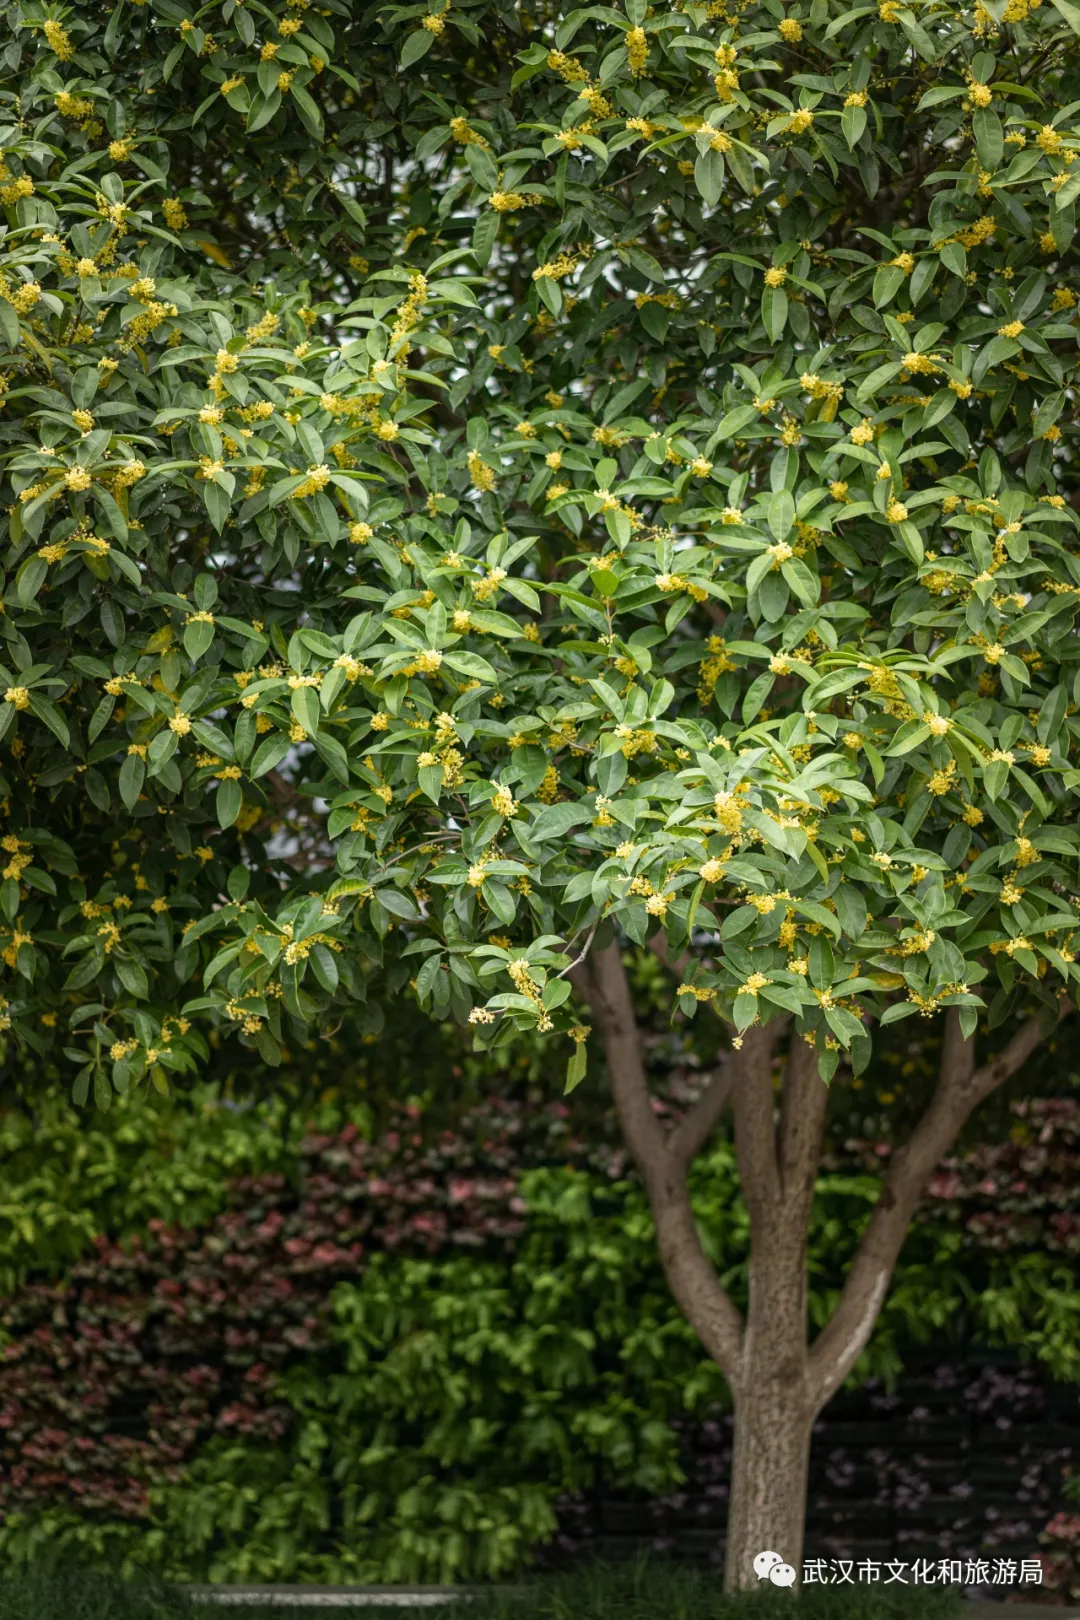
(778, 1381)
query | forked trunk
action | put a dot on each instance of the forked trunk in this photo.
(768, 1480)
(779, 1384)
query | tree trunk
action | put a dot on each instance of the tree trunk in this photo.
(768, 1479)
(779, 1384)
(774, 1409)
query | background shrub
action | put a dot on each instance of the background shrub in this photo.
(287, 1350)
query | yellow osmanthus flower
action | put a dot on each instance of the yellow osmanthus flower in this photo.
(481, 476)
(569, 69)
(755, 983)
(59, 39)
(465, 135)
(637, 51)
(508, 202)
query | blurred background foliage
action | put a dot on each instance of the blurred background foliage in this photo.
(358, 1328)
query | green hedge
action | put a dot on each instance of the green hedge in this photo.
(386, 1361)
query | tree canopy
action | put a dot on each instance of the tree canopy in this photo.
(476, 478)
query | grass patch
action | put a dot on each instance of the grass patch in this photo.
(640, 1591)
(647, 1591)
(46, 1593)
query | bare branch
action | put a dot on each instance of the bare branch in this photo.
(694, 1129)
(568, 971)
(1027, 1039)
(601, 980)
(960, 1088)
(658, 946)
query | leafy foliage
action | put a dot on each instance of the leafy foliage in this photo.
(473, 479)
(202, 1401)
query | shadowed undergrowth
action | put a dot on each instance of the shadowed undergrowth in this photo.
(598, 1592)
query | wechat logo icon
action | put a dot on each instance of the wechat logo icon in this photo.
(770, 1566)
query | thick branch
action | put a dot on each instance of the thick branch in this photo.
(960, 1089)
(601, 980)
(658, 946)
(802, 1120)
(755, 1127)
(693, 1131)
(957, 1063)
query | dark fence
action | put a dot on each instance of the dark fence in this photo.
(965, 1458)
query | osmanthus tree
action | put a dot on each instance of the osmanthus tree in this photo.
(486, 490)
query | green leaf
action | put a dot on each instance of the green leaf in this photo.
(995, 777)
(709, 176)
(269, 754)
(230, 799)
(887, 283)
(132, 776)
(992, 354)
(756, 696)
(774, 311)
(954, 257)
(50, 714)
(989, 137)
(781, 514)
(216, 501)
(484, 234)
(132, 976)
(310, 116)
(1071, 13)
(918, 36)
(1062, 224)
(9, 326)
(198, 639)
(853, 125)
(474, 667)
(262, 110)
(29, 580)
(557, 820)
(416, 45)
(430, 778)
(306, 708)
(575, 1069)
